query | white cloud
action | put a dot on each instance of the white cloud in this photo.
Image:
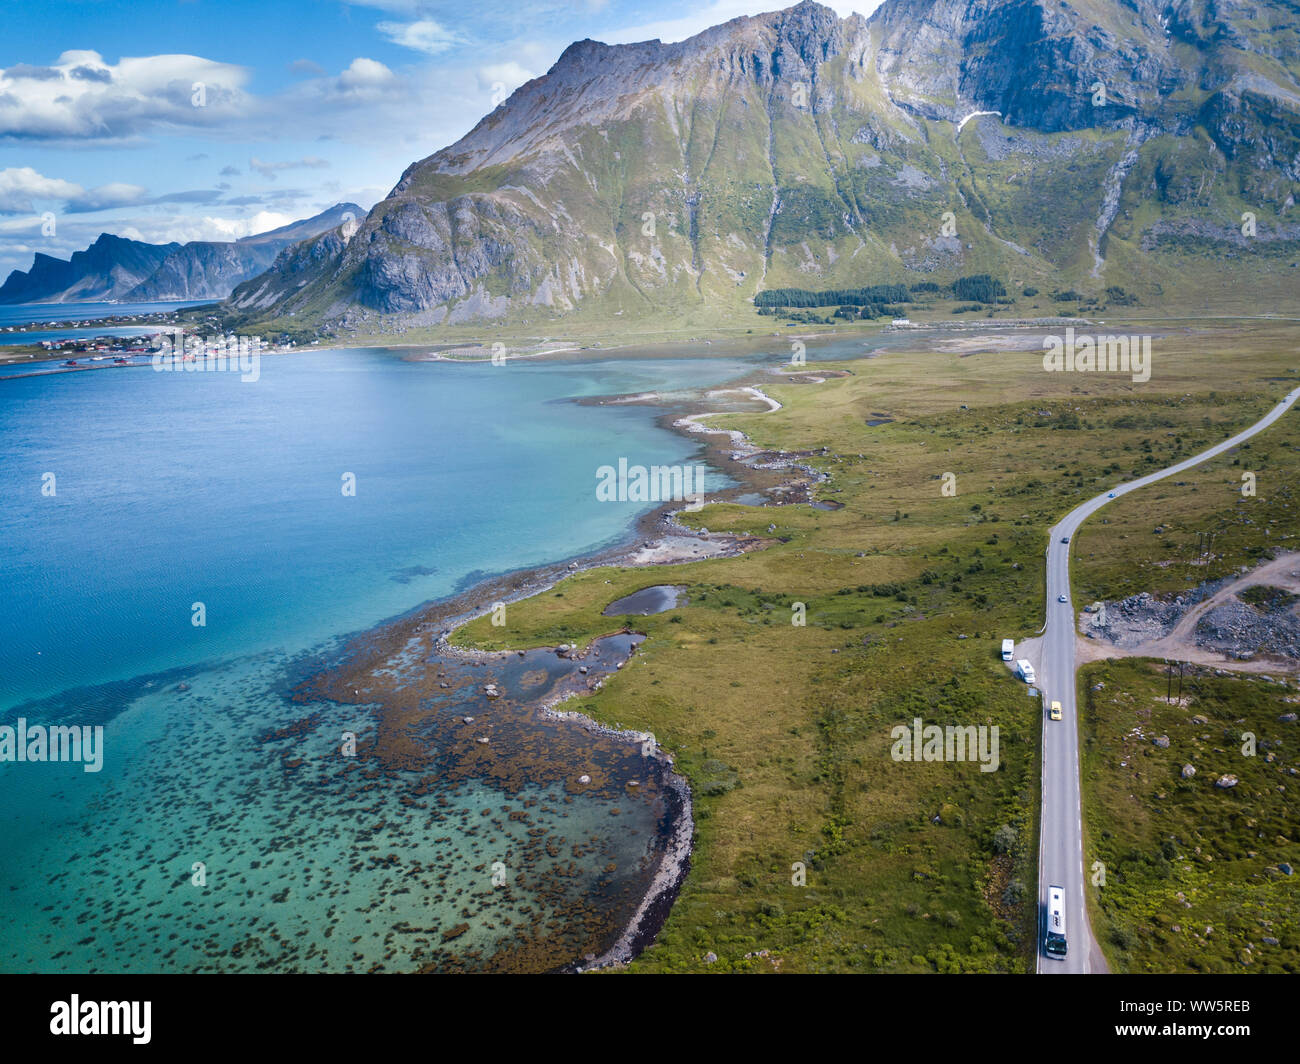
(424, 35)
(362, 72)
(234, 228)
(164, 229)
(510, 75)
(30, 223)
(365, 103)
(87, 97)
(21, 187)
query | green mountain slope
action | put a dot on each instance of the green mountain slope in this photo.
(1146, 145)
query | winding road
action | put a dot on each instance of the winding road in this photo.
(1061, 860)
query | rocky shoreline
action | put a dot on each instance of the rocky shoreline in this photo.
(674, 865)
(675, 855)
(675, 858)
(661, 540)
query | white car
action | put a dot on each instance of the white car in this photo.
(1061, 598)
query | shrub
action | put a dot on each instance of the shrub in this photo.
(1014, 894)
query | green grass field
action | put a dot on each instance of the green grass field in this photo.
(1153, 540)
(784, 731)
(1192, 880)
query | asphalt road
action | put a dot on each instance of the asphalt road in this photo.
(1061, 860)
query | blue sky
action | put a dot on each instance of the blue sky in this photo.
(213, 119)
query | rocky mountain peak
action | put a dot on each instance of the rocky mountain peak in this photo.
(795, 148)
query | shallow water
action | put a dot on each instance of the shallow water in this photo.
(648, 600)
(22, 313)
(315, 861)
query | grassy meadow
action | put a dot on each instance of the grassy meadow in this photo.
(784, 730)
(1192, 877)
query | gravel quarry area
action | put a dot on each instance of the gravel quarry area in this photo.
(1255, 614)
(1236, 629)
(1134, 621)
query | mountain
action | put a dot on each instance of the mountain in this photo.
(111, 265)
(115, 268)
(212, 269)
(1130, 143)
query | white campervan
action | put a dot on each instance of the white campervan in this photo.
(1008, 649)
(1026, 671)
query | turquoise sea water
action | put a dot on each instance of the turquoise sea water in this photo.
(177, 488)
(171, 489)
(129, 497)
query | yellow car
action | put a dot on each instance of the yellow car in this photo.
(1055, 712)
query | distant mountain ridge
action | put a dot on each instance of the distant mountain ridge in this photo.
(117, 268)
(110, 267)
(1130, 141)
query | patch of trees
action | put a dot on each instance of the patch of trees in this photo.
(803, 297)
(870, 310)
(978, 288)
(882, 300)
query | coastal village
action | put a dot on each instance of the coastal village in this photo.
(121, 349)
(152, 341)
